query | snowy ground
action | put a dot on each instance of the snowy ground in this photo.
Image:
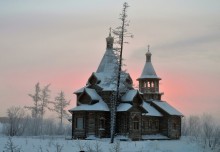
(52, 144)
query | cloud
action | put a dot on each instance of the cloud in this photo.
(189, 42)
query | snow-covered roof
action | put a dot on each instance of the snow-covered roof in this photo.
(80, 90)
(108, 81)
(108, 62)
(92, 93)
(99, 106)
(148, 71)
(123, 107)
(129, 95)
(106, 74)
(167, 108)
(151, 110)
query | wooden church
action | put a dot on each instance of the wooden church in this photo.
(141, 114)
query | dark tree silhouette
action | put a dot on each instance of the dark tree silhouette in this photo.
(121, 33)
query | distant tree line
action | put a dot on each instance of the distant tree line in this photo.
(203, 130)
(21, 123)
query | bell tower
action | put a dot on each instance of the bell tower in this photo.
(149, 81)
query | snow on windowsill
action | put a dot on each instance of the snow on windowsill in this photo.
(101, 129)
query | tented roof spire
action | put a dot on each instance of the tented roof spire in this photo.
(109, 60)
(148, 71)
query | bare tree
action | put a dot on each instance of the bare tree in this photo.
(49, 126)
(17, 121)
(210, 132)
(194, 127)
(36, 99)
(45, 99)
(204, 131)
(59, 107)
(41, 100)
(184, 128)
(121, 33)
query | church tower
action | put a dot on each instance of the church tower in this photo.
(149, 81)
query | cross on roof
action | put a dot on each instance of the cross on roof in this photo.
(110, 31)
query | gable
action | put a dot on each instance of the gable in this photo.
(89, 96)
(84, 98)
(137, 109)
(137, 101)
(93, 80)
(129, 81)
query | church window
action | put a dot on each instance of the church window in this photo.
(174, 126)
(102, 122)
(79, 123)
(145, 124)
(136, 124)
(150, 124)
(152, 84)
(148, 84)
(157, 124)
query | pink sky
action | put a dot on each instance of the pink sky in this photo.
(62, 43)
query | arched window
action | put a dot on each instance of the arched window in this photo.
(148, 84)
(136, 123)
(152, 84)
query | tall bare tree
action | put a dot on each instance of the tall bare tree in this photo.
(121, 33)
(45, 99)
(41, 99)
(35, 109)
(59, 107)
